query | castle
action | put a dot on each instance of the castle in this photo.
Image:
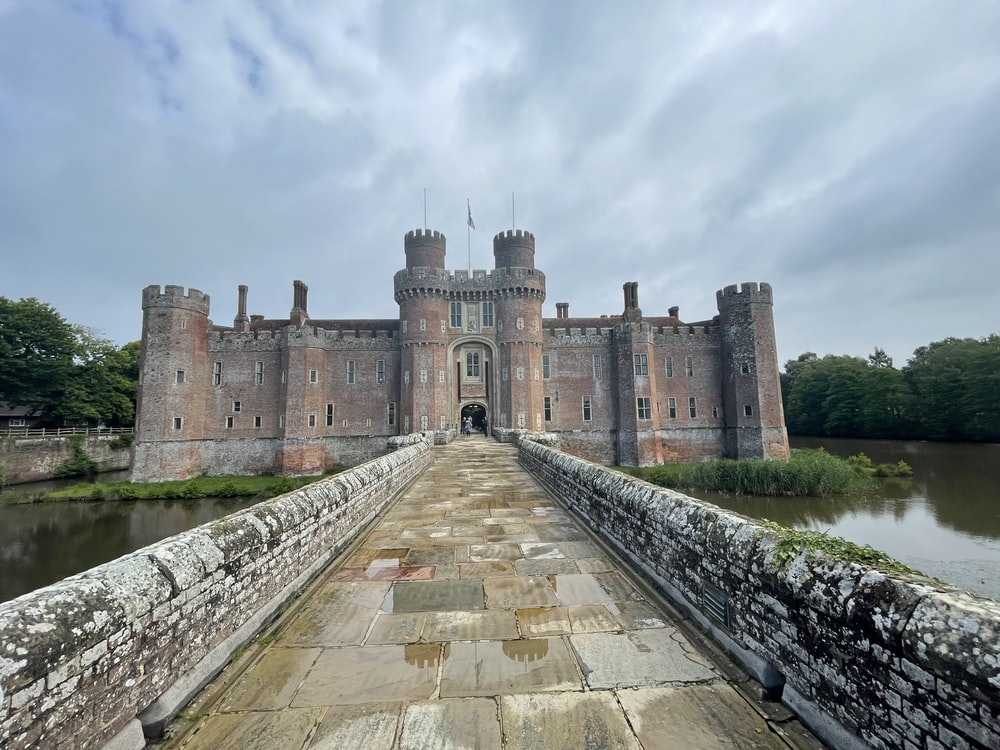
(300, 395)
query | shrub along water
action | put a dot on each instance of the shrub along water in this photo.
(809, 473)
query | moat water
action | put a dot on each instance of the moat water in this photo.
(944, 521)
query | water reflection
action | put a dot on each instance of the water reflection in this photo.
(42, 543)
(945, 520)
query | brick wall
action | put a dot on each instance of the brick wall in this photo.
(82, 659)
(867, 659)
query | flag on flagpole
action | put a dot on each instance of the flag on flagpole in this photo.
(472, 224)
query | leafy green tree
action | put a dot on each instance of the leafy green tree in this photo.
(957, 386)
(37, 350)
(104, 383)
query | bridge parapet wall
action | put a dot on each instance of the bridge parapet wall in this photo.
(865, 658)
(104, 656)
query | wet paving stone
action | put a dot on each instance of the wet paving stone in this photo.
(488, 668)
(477, 613)
(373, 674)
(435, 596)
(371, 726)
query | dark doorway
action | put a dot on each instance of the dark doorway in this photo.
(476, 412)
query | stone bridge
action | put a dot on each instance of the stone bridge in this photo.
(445, 597)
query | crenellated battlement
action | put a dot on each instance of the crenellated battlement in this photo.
(514, 237)
(423, 236)
(745, 293)
(175, 296)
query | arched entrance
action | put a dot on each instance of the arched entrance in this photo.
(477, 413)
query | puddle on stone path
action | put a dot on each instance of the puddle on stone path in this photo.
(435, 596)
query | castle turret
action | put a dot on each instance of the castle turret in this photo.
(514, 249)
(751, 384)
(424, 249)
(175, 377)
(520, 292)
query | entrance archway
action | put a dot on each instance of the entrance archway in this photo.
(477, 413)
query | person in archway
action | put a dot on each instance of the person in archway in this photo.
(486, 426)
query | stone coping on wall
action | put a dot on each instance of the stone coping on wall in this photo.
(137, 637)
(866, 658)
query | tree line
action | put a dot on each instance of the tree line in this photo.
(948, 390)
(64, 374)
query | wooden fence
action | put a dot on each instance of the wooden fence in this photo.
(44, 432)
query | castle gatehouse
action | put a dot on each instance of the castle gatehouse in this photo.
(300, 395)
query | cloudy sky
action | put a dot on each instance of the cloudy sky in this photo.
(847, 154)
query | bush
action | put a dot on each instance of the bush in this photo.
(128, 493)
(80, 464)
(122, 441)
(98, 492)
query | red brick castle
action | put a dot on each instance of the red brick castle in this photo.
(299, 395)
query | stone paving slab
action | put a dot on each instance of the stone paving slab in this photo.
(477, 613)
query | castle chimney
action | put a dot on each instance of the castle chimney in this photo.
(562, 310)
(241, 322)
(632, 312)
(673, 311)
(299, 314)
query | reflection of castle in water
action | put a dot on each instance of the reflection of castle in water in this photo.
(526, 651)
(424, 655)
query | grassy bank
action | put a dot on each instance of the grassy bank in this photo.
(262, 487)
(813, 473)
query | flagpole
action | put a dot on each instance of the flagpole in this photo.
(468, 233)
(513, 224)
(425, 209)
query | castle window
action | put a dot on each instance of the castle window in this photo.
(598, 369)
(715, 412)
(520, 373)
(350, 371)
(506, 374)
(587, 413)
(423, 376)
(456, 314)
(179, 376)
(747, 410)
(184, 324)
(536, 373)
(520, 324)
(443, 327)
(229, 423)
(423, 422)
(406, 377)
(313, 376)
(312, 420)
(692, 407)
(548, 409)
(284, 376)
(689, 367)
(670, 367)
(672, 407)
(217, 373)
(499, 325)
(178, 423)
(443, 423)
(404, 324)
(546, 367)
(329, 415)
(368, 422)
(440, 376)
(281, 421)
(345, 423)
(487, 315)
(406, 423)
(258, 373)
(257, 422)
(390, 414)
(423, 324)
(745, 368)
(379, 370)
(643, 408)
(640, 364)
(472, 364)
(538, 421)
(520, 420)
(237, 407)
